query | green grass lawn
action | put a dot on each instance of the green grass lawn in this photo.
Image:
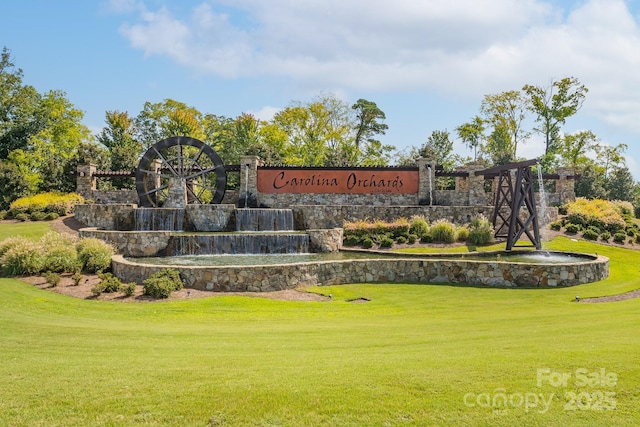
(412, 355)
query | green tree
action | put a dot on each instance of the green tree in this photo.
(574, 148)
(620, 185)
(12, 184)
(22, 113)
(472, 134)
(368, 125)
(506, 113)
(54, 149)
(553, 104)
(162, 120)
(125, 151)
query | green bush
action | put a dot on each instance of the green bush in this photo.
(52, 278)
(3, 215)
(386, 242)
(97, 289)
(556, 225)
(619, 237)
(11, 242)
(367, 243)
(94, 254)
(412, 239)
(594, 229)
(418, 226)
(443, 231)
(426, 238)
(605, 236)
(129, 289)
(163, 283)
(590, 234)
(50, 216)
(37, 216)
(77, 277)
(21, 216)
(573, 228)
(109, 283)
(480, 231)
(401, 239)
(351, 240)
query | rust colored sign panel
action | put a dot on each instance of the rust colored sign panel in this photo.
(339, 181)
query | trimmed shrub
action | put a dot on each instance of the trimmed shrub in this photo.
(386, 242)
(556, 225)
(480, 231)
(94, 254)
(50, 216)
(163, 283)
(426, 238)
(110, 283)
(619, 237)
(412, 239)
(401, 239)
(77, 277)
(37, 216)
(11, 242)
(21, 216)
(3, 215)
(351, 240)
(443, 231)
(52, 278)
(573, 228)
(590, 234)
(129, 289)
(367, 243)
(605, 236)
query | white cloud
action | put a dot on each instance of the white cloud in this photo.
(465, 48)
(266, 113)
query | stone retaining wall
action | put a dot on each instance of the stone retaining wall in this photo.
(404, 270)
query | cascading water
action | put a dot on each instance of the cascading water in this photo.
(264, 220)
(246, 186)
(155, 219)
(238, 243)
(430, 186)
(542, 195)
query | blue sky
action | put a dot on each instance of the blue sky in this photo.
(427, 64)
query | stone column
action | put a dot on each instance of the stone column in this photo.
(86, 181)
(427, 181)
(565, 187)
(248, 194)
(176, 194)
(477, 196)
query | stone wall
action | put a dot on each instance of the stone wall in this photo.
(402, 269)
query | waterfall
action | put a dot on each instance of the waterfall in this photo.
(430, 186)
(155, 219)
(542, 195)
(264, 220)
(238, 243)
(246, 186)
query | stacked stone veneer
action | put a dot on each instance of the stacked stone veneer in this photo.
(404, 269)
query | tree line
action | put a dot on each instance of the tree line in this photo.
(42, 138)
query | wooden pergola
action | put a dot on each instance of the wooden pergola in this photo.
(515, 191)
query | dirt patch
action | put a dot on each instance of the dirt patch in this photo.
(83, 291)
(611, 298)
